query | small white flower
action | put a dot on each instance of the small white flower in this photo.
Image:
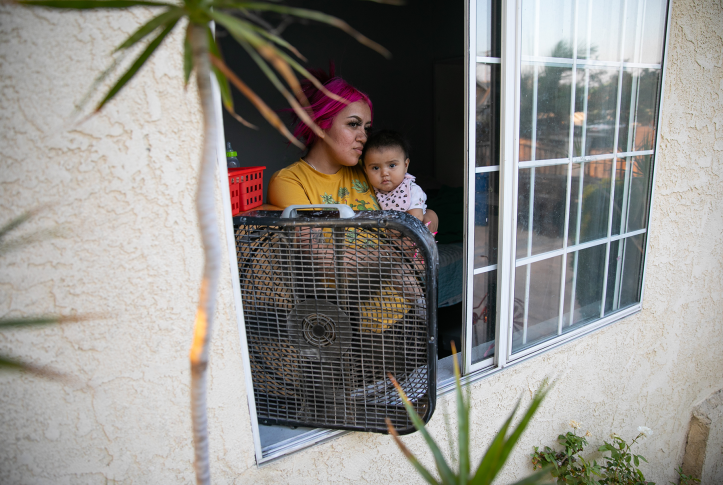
(645, 431)
(574, 424)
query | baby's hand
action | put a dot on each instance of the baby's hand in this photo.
(431, 221)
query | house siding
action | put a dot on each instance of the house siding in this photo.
(120, 187)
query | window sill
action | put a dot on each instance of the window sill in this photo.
(445, 385)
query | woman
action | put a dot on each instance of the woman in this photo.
(330, 172)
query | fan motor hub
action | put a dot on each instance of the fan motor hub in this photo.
(319, 329)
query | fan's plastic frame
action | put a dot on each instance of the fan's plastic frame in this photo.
(410, 227)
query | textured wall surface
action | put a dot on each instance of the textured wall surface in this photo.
(121, 187)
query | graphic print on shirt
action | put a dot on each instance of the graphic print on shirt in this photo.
(343, 194)
(360, 187)
(327, 199)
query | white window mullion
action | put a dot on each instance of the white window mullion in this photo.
(509, 153)
(470, 139)
(571, 154)
(615, 161)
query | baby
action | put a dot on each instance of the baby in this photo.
(386, 159)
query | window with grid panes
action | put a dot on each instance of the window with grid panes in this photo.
(563, 102)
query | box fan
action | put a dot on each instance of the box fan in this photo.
(334, 301)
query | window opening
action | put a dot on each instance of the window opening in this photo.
(405, 93)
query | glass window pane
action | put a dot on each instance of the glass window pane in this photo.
(537, 302)
(554, 87)
(488, 28)
(624, 273)
(544, 112)
(632, 194)
(589, 201)
(585, 272)
(486, 210)
(488, 115)
(547, 28)
(638, 124)
(599, 24)
(645, 31)
(596, 92)
(484, 315)
(546, 188)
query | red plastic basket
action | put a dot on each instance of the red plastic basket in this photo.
(249, 188)
(233, 189)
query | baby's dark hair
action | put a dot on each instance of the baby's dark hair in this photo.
(386, 139)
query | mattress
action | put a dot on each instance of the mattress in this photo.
(451, 275)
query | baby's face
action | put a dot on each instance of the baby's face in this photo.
(385, 167)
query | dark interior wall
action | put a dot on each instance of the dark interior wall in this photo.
(401, 89)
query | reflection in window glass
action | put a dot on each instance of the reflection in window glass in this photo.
(599, 23)
(589, 201)
(484, 315)
(541, 195)
(584, 276)
(547, 28)
(488, 28)
(486, 211)
(544, 112)
(632, 194)
(645, 31)
(638, 113)
(488, 115)
(624, 273)
(596, 94)
(537, 302)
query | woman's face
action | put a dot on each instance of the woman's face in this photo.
(347, 134)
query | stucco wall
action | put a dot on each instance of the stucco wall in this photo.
(122, 185)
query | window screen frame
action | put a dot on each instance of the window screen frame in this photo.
(511, 62)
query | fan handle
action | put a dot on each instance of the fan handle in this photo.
(345, 212)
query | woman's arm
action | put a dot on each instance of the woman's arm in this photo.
(285, 190)
(431, 216)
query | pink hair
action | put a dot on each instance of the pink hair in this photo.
(322, 108)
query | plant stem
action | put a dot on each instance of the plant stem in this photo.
(210, 237)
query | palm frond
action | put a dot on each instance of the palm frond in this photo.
(306, 14)
(223, 85)
(150, 49)
(243, 32)
(150, 26)
(445, 472)
(258, 103)
(93, 4)
(239, 34)
(187, 57)
(14, 224)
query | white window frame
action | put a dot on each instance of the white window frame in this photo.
(510, 74)
(510, 62)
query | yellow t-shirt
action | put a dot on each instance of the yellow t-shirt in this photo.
(300, 184)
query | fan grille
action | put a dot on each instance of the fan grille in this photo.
(329, 313)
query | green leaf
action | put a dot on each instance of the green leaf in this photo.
(410, 456)
(306, 14)
(29, 321)
(7, 363)
(525, 421)
(490, 465)
(150, 26)
(223, 84)
(462, 422)
(152, 46)
(92, 4)
(14, 224)
(445, 472)
(187, 57)
(535, 478)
